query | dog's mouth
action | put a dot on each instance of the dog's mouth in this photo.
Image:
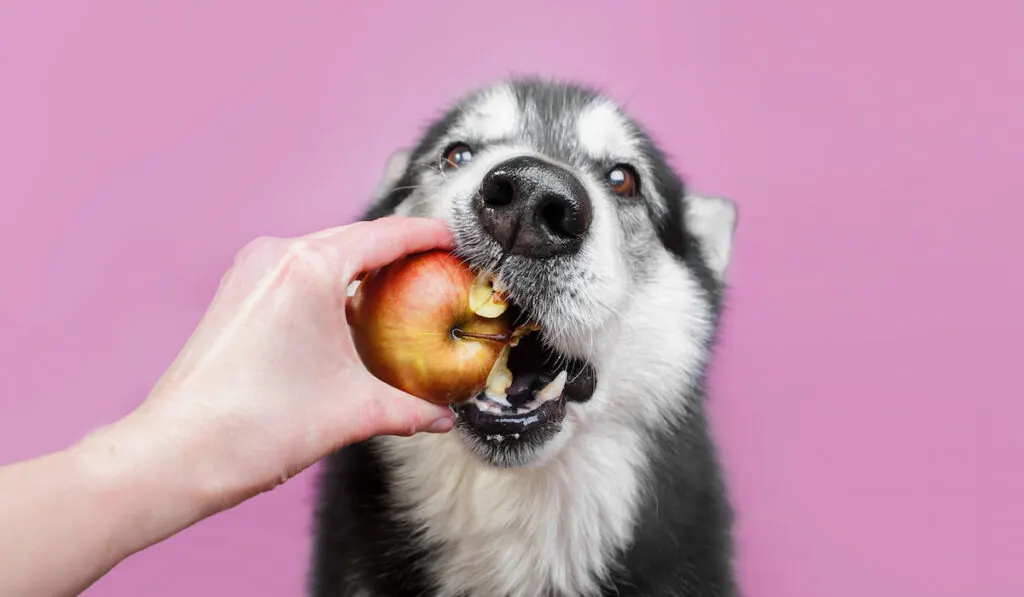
(541, 380)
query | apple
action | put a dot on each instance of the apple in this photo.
(429, 325)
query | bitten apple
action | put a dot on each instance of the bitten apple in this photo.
(428, 325)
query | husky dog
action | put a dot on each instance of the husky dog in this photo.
(596, 473)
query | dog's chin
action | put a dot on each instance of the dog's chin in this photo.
(516, 449)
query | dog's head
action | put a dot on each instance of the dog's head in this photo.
(557, 191)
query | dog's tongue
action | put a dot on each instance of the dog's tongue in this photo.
(519, 391)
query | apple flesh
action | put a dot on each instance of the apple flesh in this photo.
(428, 325)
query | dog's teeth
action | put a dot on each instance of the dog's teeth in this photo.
(500, 399)
(499, 379)
(554, 389)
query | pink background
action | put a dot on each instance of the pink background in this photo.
(866, 394)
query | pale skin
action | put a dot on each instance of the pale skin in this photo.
(268, 384)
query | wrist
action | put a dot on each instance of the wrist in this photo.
(147, 480)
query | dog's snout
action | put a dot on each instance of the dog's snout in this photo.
(534, 208)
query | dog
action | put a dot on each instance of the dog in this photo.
(596, 474)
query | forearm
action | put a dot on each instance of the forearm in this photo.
(268, 384)
(67, 518)
(55, 538)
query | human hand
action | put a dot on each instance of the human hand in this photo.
(270, 381)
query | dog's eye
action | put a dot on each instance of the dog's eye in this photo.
(457, 155)
(623, 181)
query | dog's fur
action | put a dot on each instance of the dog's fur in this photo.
(625, 496)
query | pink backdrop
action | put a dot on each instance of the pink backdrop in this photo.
(866, 392)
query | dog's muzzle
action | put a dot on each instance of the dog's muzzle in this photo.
(534, 208)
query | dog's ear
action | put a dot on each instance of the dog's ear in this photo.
(394, 169)
(713, 220)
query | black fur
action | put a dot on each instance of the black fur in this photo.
(682, 545)
(357, 531)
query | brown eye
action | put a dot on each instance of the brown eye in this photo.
(623, 181)
(457, 155)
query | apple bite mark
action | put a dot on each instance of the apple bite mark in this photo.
(486, 297)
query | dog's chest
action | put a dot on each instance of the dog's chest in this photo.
(526, 533)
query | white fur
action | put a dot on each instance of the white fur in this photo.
(555, 525)
(713, 221)
(603, 132)
(495, 115)
(521, 532)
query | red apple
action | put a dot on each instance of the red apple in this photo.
(428, 325)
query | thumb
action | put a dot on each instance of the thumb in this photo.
(390, 411)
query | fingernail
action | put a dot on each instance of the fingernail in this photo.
(441, 425)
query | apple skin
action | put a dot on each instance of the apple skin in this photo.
(402, 318)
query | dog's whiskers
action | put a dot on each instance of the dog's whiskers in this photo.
(414, 187)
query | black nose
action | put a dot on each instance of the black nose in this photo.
(534, 208)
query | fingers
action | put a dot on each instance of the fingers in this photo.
(389, 411)
(373, 244)
(403, 414)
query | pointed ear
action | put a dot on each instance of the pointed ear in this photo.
(394, 168)
(713, 221)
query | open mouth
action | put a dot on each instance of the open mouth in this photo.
(527, 391)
